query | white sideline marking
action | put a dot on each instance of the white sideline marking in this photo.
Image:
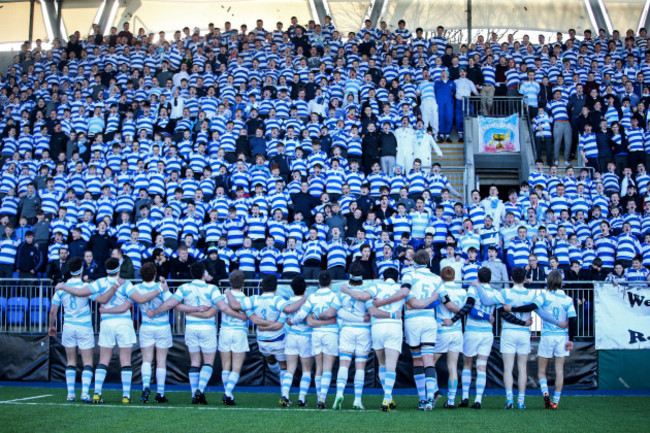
(27, 398)
(157, 407)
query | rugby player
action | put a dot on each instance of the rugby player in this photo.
(77, 329)
(558, 312)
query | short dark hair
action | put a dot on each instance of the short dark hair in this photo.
(269, 283)
(422, 258)
(484, 275)
(148, 272)
(237, 279)
(298, 285)
(197, 270)
(554, 281)
(324, 279)
(75, 264)
(518, 275)
(391, 274)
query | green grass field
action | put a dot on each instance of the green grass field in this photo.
(260, 413)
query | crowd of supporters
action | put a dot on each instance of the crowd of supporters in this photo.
(288, 151)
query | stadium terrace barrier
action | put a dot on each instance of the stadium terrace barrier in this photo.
(25, 305)
(493, 106)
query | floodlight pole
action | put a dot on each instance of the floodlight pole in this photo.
(469, 22)
(31, 22)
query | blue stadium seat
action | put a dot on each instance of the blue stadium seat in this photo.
(3, 309)
(33, 311)
(17, 310)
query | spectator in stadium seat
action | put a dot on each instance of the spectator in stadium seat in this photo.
(180, 266)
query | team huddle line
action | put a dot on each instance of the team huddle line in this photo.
(425, 309)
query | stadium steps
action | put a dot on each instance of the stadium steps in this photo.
(453, 164)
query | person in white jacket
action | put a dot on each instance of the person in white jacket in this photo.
(423, 145)
(494, 206)
(405, 136)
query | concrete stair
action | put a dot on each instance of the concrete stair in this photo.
(453, 164)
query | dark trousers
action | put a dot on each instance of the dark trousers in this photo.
(6, 271)
(337, 272)
(545, 144)
(621, 162)
(311, 272)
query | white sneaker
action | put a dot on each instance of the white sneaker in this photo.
(70, 397)
(357, 405)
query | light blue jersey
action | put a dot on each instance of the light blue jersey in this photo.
(477, 325)
(76, 309)
(423, 285)
(317, 303)
(458, 296)
(267, 306)
(516, 297)
(121, 296)
(161, 319)
(300, 328)
(560, 306)
(384, 290)
(233, 322)
(198, 293)
(354, 307)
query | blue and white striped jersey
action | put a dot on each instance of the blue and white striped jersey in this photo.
(161, 319)
(560, 306)
(76, 309)
(198, 293)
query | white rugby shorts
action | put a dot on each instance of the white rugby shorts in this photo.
(515, 342)
(233, 340)
(449, 342)
(420, 330)
(477, 343)
(275, 348)
(325, 342)
(355, 340)
(201, 339)
(117, 331)
(298, 345)
(387, 336)
(82, 337)
(160, 336)
(551, 346)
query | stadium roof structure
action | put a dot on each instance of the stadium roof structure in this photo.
(46, 19)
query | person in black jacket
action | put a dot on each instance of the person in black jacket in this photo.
(283, 162)
(242, 145)
(370, 144)
(28, 257)
(387, 149)
(301, 40)
(304, 202)
(159, 258)
(58, 270)
(618, 142)
(180, 266)
(91, 271)
(215, 266)
(101, 244)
